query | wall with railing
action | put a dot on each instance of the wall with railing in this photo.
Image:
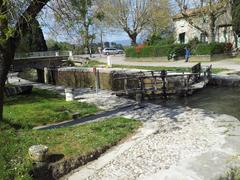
(32, 55)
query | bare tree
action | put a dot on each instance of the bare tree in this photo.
(131, 16)
(208, 10)
(15, 17)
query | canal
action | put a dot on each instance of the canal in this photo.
(216, 99)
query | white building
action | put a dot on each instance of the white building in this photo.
(186, 31)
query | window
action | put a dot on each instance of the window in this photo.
(203, 37)
(182, 38)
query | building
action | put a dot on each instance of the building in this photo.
(196, 23)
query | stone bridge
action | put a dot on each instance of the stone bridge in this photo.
(40, 61)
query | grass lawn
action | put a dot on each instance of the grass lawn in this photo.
(93, 63)
(72, 141)
(40, 108)
(159, 68)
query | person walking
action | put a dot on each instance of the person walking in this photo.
(187, 54)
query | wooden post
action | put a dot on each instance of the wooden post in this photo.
(125, 85)
(164, 88)
(96, 72)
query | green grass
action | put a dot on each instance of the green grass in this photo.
(40, 108)
(159, 68)
(23, 112)
(93, 63)
(71, 141)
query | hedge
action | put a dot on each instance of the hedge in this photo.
(209, 49)
(155, 51)
(178, 50)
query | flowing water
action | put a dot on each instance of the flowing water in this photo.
(216, 99)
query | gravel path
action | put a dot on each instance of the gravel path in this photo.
(168, 139)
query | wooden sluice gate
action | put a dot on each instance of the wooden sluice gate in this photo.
(161, 83)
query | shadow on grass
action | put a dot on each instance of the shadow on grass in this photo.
(36, 96)
(7, 124)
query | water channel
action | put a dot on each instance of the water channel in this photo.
(216, 99)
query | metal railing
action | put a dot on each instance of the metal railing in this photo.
(32, 55)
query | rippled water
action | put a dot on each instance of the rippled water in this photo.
(219, 100)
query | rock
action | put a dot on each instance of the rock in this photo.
(38, 153)
(75, 115)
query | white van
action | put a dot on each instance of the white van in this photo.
(108, 51)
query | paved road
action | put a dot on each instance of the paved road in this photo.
(232, 64)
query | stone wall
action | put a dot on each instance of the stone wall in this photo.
(82, 77)
(225, 81)
(77, 77)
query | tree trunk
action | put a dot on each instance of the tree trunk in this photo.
(212, 28)
(133, 39)
(6, 58)
(235, 39)
(102, 40)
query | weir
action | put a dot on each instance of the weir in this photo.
(161, 83)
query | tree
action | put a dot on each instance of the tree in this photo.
(236, 18)
(33, 40)
(12, 26)
(77, 16)
(208, 10)
(131, 16)
(106, 44)
(160, 18)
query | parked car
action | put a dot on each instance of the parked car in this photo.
(120, 51)
(108, 51)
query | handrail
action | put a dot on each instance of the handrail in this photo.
(42, 54)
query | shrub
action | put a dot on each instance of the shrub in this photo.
(130, 52)
(138, 48)
(158, 40)
(157, 51)
(212, 48)
(193, 43)
(228, 47)
(177, 50)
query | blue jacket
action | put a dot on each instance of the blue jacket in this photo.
(187, 53)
